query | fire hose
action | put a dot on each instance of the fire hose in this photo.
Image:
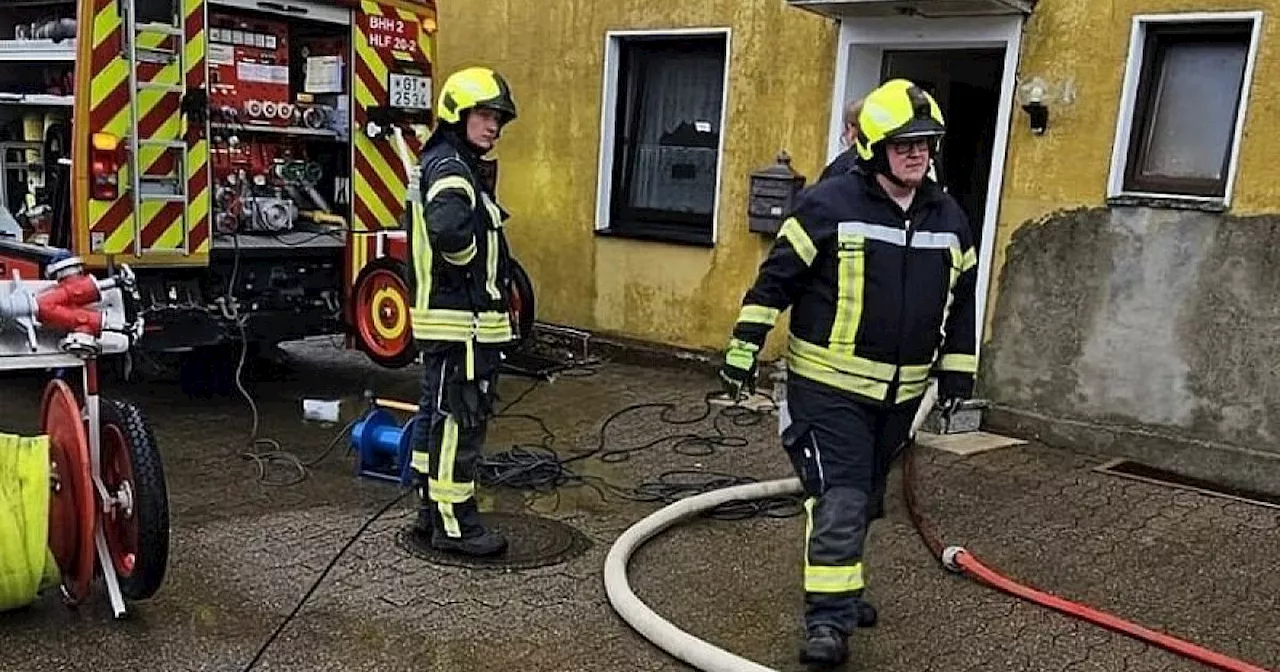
(710, 658)
(27, 566)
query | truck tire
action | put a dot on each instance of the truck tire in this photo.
(380, 313)
(139, 536)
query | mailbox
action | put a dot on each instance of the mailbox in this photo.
(772, 195)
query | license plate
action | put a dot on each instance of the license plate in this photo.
(410, 91)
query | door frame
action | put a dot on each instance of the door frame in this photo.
(859, 55)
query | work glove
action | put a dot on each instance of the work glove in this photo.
(470, 402)
(738, 372)
(953, 388)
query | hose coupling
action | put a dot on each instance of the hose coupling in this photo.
(949, 557)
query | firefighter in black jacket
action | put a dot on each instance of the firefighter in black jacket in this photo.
(460, 317)
(878, 268)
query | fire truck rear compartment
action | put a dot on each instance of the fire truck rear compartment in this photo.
(279, 129)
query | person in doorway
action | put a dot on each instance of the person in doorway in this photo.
(846, 160)
(460, 316)
(878, 268)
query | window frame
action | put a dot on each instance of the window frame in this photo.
(613, 116)
(1137, 104)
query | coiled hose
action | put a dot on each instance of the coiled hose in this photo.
(710, 658)
(26, 565)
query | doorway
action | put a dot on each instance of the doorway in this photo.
(966, 84)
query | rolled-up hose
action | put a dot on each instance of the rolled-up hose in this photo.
(26, 565)
(708, 657)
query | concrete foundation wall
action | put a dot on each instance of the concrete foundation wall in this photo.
(1136, 316)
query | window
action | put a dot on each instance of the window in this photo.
(660, 154)
(1185, 95)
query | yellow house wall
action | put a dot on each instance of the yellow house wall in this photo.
(1068, 166)
(779, 96)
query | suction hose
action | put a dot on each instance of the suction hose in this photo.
(710, 658)
(26, 564)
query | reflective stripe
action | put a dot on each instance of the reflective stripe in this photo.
(741, 354)
(456, 182)
(849, 301)
(491, 269)
(960, 363)
(450, 491)
(819, 579)
(851, 373)
(934, 240)
(443, 324)
(845, 362)
(800, 241)
(970, 260)
(421, 462)
(909, 391)
(422, 260)
(448, 453)
(816, 371)
(925, 240)
(463, 257)
(833, 579)
(914, 373)
(470, 360)
(758, 315)
(880, 232)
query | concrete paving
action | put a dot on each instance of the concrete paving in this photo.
(244, 553)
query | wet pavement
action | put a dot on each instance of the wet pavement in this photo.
(245, 552)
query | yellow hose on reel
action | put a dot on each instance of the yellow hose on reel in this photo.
(27, 566)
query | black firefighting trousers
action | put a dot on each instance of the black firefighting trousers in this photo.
(841, 450)
(445, 452)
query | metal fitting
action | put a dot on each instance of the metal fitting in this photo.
(69, 267)
(950, 556)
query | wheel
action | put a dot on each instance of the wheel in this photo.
(137, 529)
(73, 504)
(381, 313)
(523, 303)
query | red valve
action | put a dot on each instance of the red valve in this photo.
(61, 306)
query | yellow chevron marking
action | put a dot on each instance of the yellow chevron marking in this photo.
(104, 24)
(112, 77)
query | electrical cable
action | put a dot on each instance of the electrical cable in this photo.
(315, 585)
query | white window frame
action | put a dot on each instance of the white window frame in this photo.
(608, 113)
(1129, 95)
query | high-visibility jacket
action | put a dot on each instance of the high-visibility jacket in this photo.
(880, 299)
(461, 260)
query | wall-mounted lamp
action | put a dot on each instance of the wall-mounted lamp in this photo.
(1036, 94)
(1033, 95)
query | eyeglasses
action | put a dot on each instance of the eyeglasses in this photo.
(904, 147)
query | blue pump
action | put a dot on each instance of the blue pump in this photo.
(382, 447)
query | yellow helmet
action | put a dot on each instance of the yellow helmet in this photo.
(897, 109)
(475, 87)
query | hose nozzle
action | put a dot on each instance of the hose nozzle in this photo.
(950, 557)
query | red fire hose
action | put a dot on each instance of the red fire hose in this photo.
(960, 560)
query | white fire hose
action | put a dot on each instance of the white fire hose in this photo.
(701, 654)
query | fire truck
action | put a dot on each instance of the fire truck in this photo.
(250, 160)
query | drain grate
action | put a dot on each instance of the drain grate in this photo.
(1149, 474)
(532, 542)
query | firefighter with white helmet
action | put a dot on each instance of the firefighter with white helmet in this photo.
(878, 268)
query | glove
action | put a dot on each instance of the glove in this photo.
(953, 388)
(739, 368)
(470, 402)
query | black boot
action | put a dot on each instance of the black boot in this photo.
(867, 615)
(482, 543)
(825, 646)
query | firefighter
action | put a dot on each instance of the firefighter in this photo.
(460, 317)
(877, 266)
(849, 156)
